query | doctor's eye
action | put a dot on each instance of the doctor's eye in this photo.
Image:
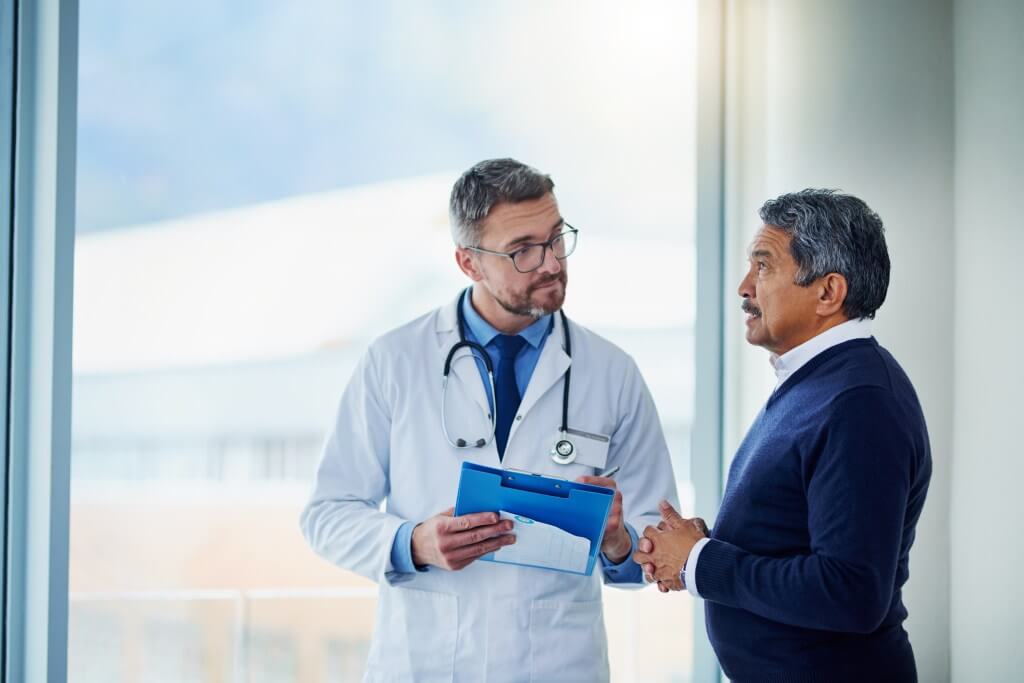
(524, 253)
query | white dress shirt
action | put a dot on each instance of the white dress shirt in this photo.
(785, 366)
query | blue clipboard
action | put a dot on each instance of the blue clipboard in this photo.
(580, 509)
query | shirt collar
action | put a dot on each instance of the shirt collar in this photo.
(484, 333)
(794, 359)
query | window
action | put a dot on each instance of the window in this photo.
(171, 652)
(346, 660)
(96, 638)
(272, 657)
(261, 191)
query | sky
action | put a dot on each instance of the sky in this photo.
(192, 107)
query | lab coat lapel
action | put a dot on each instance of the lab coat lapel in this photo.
(551, 367)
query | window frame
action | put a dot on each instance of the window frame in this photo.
(7, 77)
(38, 117)
(707, 455)
(41, 139)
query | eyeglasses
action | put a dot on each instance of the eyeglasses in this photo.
(530, 257)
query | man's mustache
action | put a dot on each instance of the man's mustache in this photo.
(750, 308)
(546, 281)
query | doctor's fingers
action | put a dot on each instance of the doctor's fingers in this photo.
(615, 514)
(461, 539)
(644, 545)
(470, 521)
(464, 556)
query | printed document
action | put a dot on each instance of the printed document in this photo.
(544, 545)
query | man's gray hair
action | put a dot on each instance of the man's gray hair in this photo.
(835, 233)
(486, 185)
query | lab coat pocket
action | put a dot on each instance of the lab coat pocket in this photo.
(567, 642)
(416, 641)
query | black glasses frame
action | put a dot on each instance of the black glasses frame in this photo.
(544, 254)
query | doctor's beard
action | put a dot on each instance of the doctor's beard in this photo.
(523, 304)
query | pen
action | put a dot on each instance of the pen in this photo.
(611, 472)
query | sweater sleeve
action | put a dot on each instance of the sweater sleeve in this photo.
(857, 483)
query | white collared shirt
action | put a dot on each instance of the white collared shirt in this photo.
(785, 365)
(794, 359)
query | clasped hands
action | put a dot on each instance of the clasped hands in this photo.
(663, 550)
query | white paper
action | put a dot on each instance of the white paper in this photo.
(544, 545)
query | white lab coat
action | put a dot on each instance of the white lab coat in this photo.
(489, 621)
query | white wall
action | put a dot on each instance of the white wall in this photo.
(988, 472)
(857, 95)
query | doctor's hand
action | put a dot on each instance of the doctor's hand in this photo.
(617, 543)
(667, 549)
(452, 542)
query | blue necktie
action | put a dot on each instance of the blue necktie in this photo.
(507, 393)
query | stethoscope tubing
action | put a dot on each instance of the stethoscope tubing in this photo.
(479, 351)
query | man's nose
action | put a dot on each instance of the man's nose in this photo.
(746, 288)
(550, 264)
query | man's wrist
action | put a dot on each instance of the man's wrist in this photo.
(622, 549)
(417, 560)
(690, 567)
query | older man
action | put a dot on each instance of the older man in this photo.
(802, 574)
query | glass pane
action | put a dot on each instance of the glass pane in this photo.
(240, 166)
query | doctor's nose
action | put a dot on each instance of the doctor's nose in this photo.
(550, 264)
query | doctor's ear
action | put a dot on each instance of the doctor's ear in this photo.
(468, 264)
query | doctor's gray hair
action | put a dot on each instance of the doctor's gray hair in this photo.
(835, 233)
(486, 185)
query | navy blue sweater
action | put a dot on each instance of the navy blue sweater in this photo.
(802, 577)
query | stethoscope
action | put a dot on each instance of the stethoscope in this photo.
(563, 452)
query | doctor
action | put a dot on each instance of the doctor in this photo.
(443, 616)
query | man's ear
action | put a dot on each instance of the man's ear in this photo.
(468, 264)
(832, 291)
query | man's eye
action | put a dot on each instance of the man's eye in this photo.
(761, 265)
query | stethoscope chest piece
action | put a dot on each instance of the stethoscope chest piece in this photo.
(563, 452)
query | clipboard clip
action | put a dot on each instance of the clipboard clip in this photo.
(532, 474)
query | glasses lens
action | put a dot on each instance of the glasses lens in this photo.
(528, 258)
(564, 244)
